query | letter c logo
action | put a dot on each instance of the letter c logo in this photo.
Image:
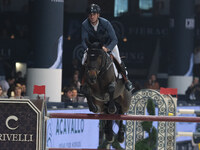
(11, 118)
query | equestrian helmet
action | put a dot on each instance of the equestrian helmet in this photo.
(93, 8)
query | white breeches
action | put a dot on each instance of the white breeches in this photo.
(115, 53)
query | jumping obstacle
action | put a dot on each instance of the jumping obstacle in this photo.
(166, 131)
(68, 149)
(71, 149)
(123, 117)
(194, 135)
(166, 105)
(188, 111)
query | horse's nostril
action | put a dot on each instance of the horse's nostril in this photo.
(93, 78)
(92, 73)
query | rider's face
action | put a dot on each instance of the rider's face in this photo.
(93, 17)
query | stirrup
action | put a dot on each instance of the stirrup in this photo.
(129, 85)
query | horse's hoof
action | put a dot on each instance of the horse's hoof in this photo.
(110, 138)
(112, 109)
(93, 109)
(120, 137)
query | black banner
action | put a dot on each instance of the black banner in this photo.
(19, 125)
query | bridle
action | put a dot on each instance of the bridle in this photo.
(106, 61)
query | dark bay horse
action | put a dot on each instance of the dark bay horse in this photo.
(104, 92)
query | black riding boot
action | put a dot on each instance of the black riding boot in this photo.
(82, 77)
(128, 84)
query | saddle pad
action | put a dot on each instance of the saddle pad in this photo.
(117, 74)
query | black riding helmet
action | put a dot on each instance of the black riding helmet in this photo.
(93, 8)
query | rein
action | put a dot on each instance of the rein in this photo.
(107, 64)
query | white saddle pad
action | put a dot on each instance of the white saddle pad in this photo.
(117, 74)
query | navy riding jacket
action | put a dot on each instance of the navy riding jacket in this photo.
(104, 34)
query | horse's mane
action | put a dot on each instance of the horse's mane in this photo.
(94, 45)
(95, 48)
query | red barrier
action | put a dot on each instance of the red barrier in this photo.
(124, 117)
(70, 149)
(74, 149)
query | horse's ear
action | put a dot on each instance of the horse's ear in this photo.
(89, 45)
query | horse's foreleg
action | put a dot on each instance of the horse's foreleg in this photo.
(111, 105)
(91, 105)
(87, 92)
(120, 134)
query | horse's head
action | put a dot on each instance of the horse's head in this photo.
(95, 60)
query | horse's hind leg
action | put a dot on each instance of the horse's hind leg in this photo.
(120, 134)
(108, 131)
(111, 105)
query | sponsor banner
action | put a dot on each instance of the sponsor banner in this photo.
(19, 125)
(72, 133)
(84, 133)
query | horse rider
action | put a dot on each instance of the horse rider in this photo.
(95, 28)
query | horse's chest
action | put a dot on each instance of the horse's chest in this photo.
(105, 97)
(100, 94)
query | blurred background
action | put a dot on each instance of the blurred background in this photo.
(155, 36)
